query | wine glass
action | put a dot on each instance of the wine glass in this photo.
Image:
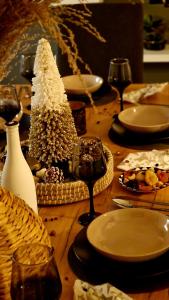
(34, 274)
(10, 107)
(26, 66)
(88, 165)
(119, 76)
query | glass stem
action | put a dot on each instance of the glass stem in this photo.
(121, 101)
(90, 188)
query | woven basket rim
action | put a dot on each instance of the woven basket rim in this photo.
(73, 191)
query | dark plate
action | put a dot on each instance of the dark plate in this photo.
(105, 93)
(91, 266)
(119, 134)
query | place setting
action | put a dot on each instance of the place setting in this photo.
(121, 134)
(113, 249)
(128, 247)
(83, 87)
(142, 123)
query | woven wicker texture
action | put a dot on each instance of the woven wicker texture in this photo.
(63, 193)
(18, 225)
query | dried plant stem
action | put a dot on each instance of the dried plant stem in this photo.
(16, 16)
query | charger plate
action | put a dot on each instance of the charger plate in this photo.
(91, 266)
(69, 192)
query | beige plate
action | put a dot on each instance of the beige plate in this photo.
(130, 234)
(76, 85)
(145, 118)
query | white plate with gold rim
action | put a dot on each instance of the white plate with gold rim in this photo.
(131, 235)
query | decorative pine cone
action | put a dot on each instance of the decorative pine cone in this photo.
(53, 175)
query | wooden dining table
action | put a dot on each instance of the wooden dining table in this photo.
(61, 221)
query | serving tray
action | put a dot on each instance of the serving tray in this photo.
(74, 191)
(71, 191)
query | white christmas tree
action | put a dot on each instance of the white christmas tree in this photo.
(52, 130)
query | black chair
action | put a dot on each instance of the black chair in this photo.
(121, 24)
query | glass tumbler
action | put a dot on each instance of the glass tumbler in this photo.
(34, 274)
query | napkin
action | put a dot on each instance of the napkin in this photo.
(154, 158)
(149, 90)
(85, 291)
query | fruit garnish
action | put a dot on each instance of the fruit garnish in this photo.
(145, 179)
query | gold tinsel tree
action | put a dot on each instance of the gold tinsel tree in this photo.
(52, 131)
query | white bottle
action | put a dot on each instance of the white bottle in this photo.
(16, 175)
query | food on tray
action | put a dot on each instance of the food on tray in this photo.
(145, 179)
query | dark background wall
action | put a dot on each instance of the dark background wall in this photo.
(35, 32)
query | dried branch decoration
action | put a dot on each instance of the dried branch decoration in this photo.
(16, 16)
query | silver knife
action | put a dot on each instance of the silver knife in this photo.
(140, 200)
(128, 203)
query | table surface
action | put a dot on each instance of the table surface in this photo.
(62, 221)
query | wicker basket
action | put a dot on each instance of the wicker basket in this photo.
(63, 193)
(18, 225)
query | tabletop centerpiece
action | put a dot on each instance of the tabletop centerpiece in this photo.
(53, 135)
(52, 131)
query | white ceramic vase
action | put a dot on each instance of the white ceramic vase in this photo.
(16, 175)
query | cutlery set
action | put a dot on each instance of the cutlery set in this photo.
(128, 202)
